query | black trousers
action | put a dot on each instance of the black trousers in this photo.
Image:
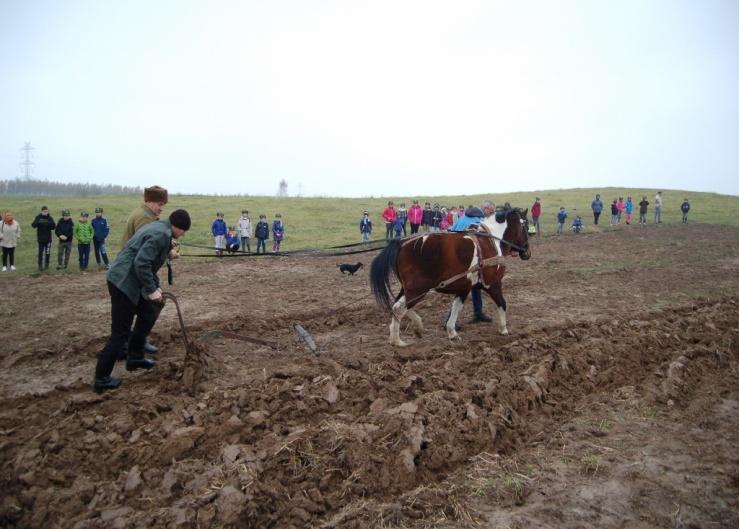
(122, 313)
(8, 253)
(596, 216)
(44, 254)
(100, 251)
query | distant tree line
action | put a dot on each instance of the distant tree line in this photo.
(30, 187)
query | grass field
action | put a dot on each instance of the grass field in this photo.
(320, 222)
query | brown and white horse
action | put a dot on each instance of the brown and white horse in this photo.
(449, 263)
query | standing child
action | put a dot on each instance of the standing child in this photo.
(428, 217)
(10, 232)
(365, 227)
(398, 227)
(629, 209)
(44, 224)
(643, 210)
(658, 208)
(561, 218)
(261, 232)
(535, 214)
(65, 232)
(403, 215)
(620, 206)
(614, 212)
(685, 207)
(415, 216)
(218, 229)
(83, 232)
(100, 233)
(245, 230)
(232, 240)
(389, 215)
(278, 232)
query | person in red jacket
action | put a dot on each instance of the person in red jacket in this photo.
(535, 214)
(389, 215)
(415, 216)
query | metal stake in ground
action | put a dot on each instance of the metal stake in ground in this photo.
(303, 334)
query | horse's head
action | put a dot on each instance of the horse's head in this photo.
(517, 231)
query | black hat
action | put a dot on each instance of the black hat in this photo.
(474, 211)
(180, 218)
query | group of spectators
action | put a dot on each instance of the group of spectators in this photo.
(85, 231)
(441, 218)
(238, 237)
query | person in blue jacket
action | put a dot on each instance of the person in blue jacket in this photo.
(232, 240)
(219, 229)
(100, 231)
(597, 207)
(474, 215)
(561, 218)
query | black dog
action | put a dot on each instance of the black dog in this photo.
(351, 268)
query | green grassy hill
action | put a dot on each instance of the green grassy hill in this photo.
(321, 222)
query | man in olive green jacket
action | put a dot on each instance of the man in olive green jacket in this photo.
(155, 198)
(134, 289)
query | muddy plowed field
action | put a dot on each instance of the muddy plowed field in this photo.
(614, 402)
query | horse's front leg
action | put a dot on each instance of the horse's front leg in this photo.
(496, 292)
(399, 310)
(451, 323)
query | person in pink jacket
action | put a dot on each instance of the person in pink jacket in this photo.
(620, 206)
(415, 216)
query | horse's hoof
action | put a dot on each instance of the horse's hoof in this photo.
(456, 339)
(399, 343)
(504, 332)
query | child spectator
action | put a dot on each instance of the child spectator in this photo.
(453, 215)
(428, 217)
(278, 232)
(10, 232)
(100, 233)
(614, 212)
(245, 230)
(83, 232)
(415, 216)
(444, 224)
(629, 209)
(398, 227)
(561, 218)
(643, 211)
(577, 224)
(658, 208)
(65, 233)
(597, 206)
(232, 240)
(44, 224)
(620, 206)
(535, 214)
(685, 207)
(261, 232)
(435, 219)
(365, 227)
(389, 215)
(403, 214)
(218, 229)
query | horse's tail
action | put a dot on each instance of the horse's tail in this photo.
(382, 265)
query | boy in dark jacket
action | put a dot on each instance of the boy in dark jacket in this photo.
(561, 218)
(65, 232)
(685, 207)
(100, 230)
(365, 227)
(261, 233)
(643, 211)
(44, 224)
(218, 229)
(278, 232)
(428, 216)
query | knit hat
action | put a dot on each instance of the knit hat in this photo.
(180, 218)
(84, 214)
(98, 210)
(65, 213)
(155, 194)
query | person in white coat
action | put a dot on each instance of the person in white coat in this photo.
(245, 230)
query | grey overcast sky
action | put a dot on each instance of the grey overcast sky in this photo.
(357, 98)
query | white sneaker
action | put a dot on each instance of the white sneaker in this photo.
(12, 268)
(5, 268)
